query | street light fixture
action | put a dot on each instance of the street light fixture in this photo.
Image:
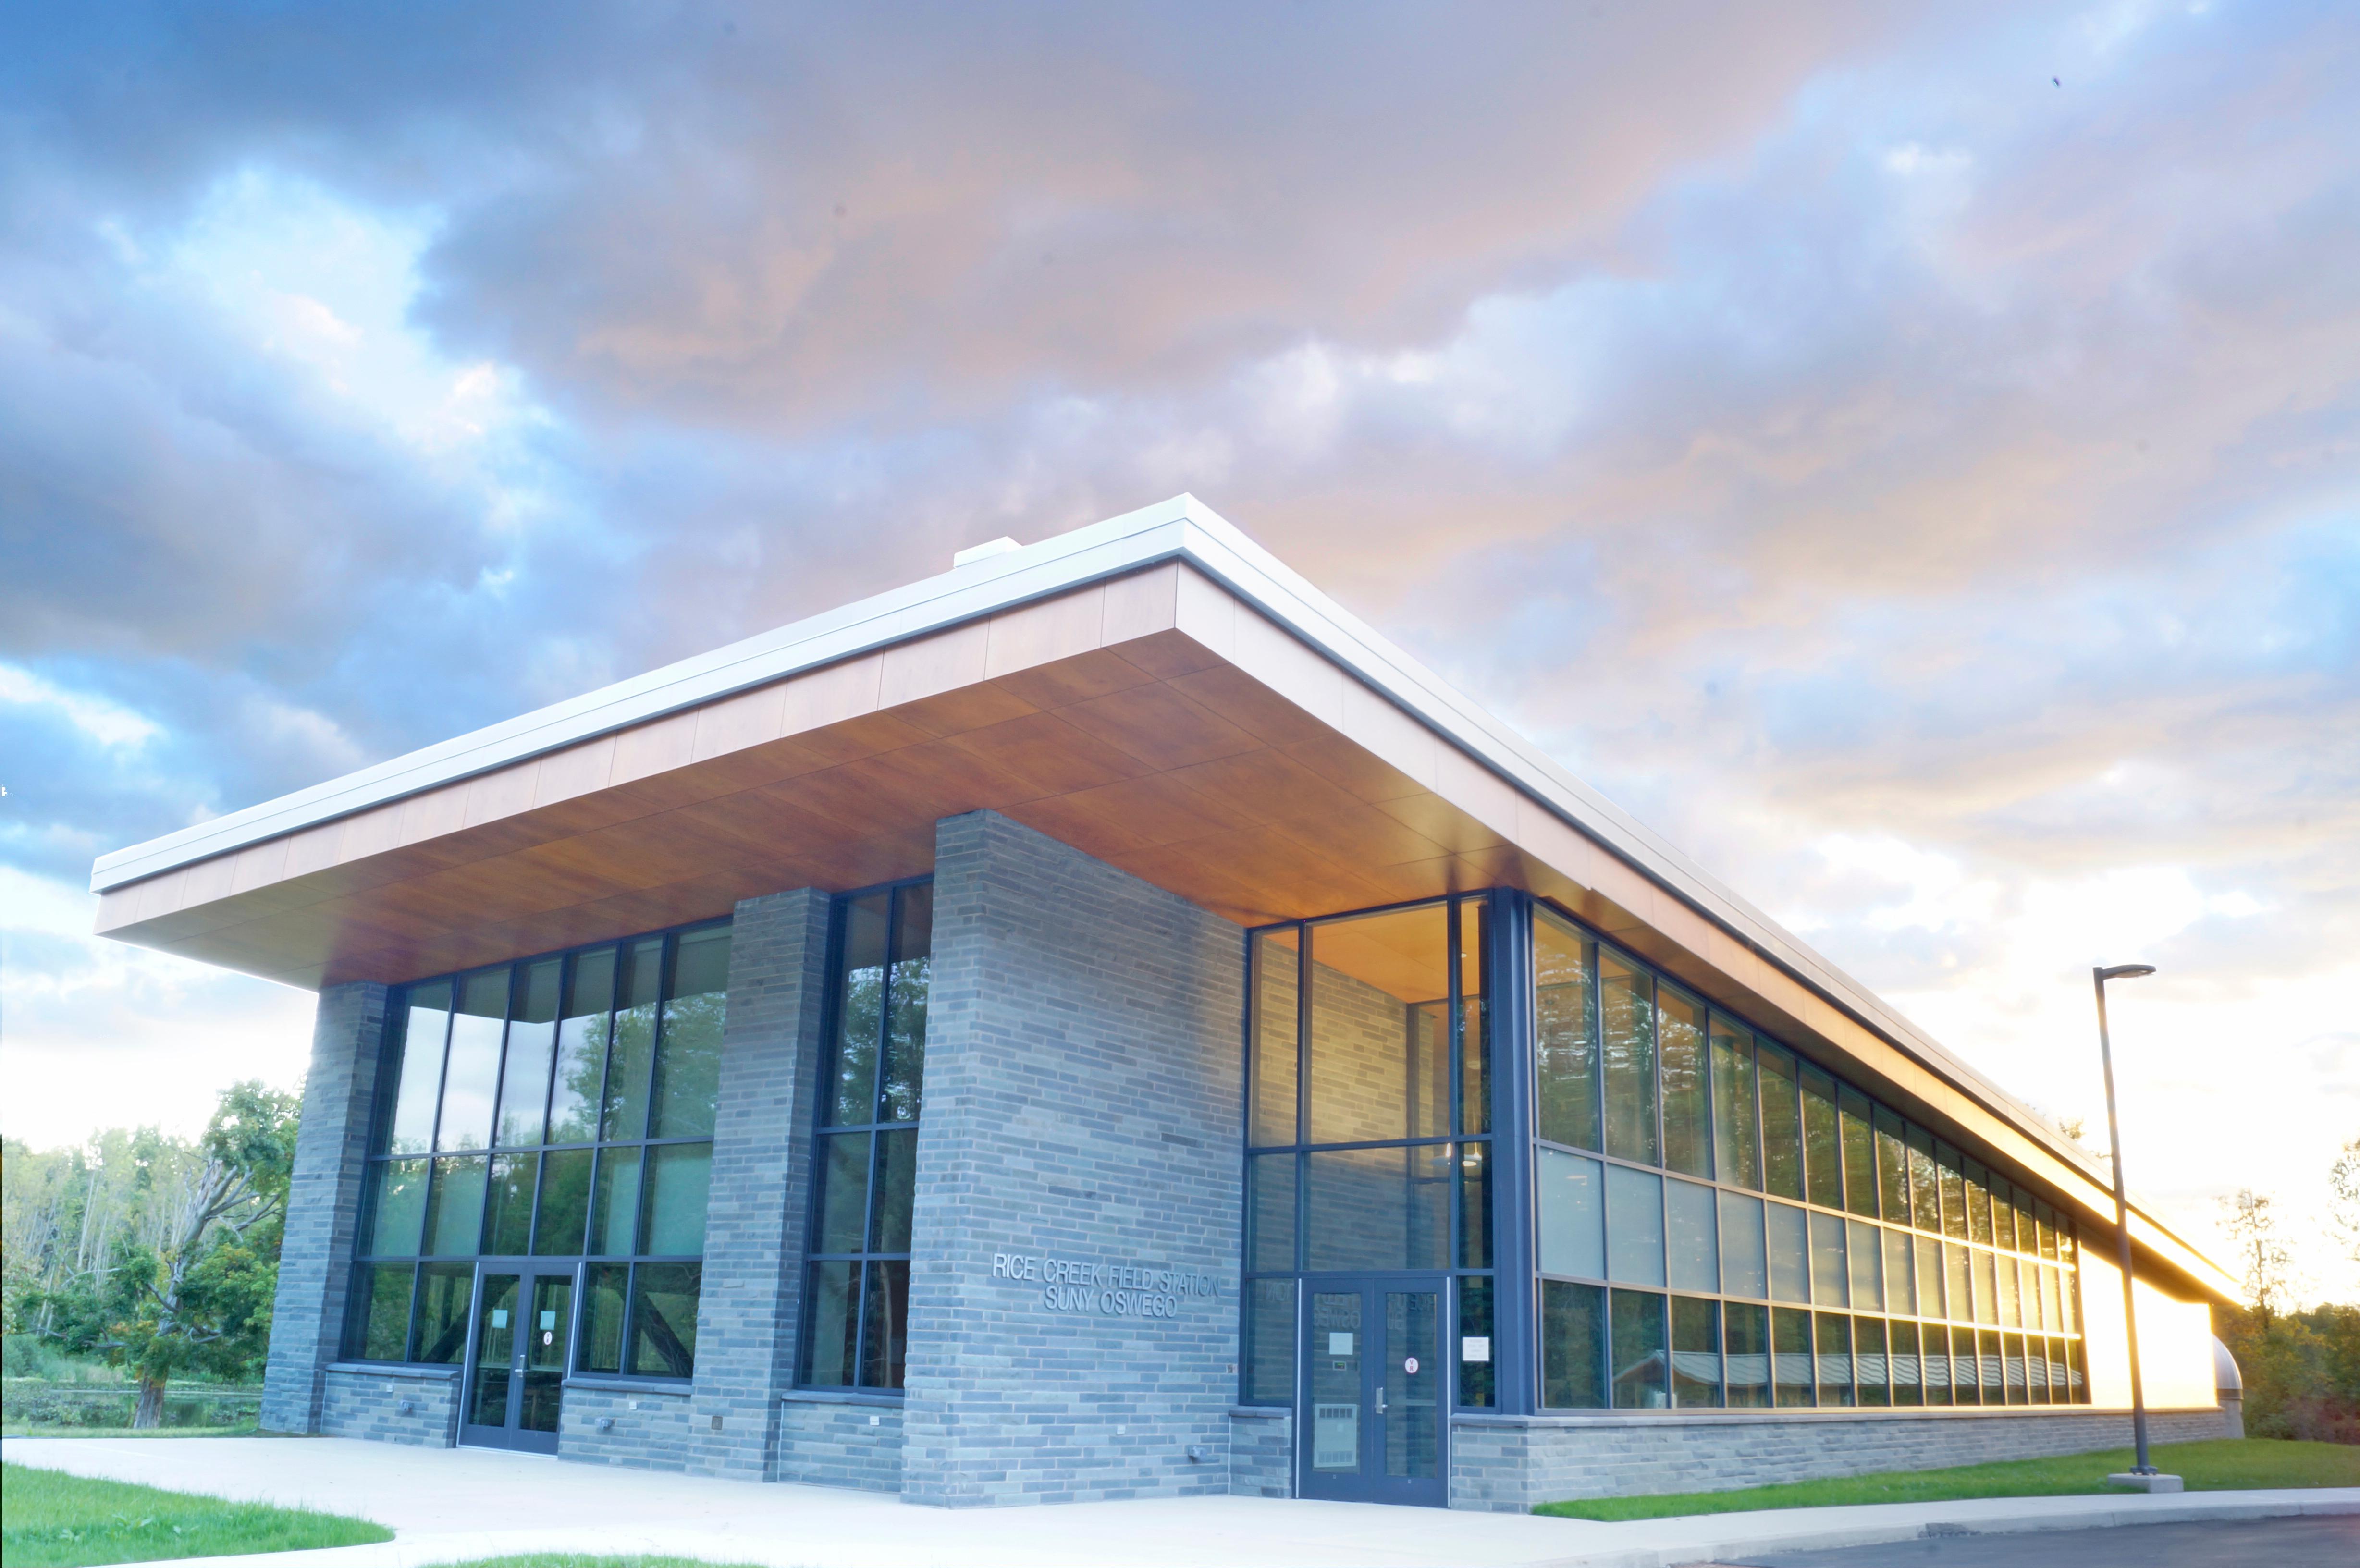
(2122, 1208)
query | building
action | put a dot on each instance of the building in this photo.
(1102, 1022)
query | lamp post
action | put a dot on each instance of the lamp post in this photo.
(2123, 1207)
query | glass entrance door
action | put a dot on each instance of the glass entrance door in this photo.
(1370, 1412)
(516, 1375)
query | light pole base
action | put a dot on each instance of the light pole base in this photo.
(2131, 1481)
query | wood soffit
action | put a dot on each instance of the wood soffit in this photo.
(1155, 721)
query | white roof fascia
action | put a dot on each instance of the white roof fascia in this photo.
(1181, 527)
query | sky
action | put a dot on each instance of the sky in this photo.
(1910, 457)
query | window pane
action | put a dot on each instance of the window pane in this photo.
(688, 1050)
(454, 1207)
(1696, 1353)
(1687, 1117)
(897, 1183)
(1380, 1208)
(1782, 1123)
(1934, 1358)
(1626, 1023)
(1270, 1342)
(1822, 1157)
(1929, 1279)
(1565, 1048)
(411, 1126)
(1276, 983)
(1834, 1343)
(1908, 1383)
(885, 1324)
(1925, 1188)
(903, 1077)
(1380, 1060)
(2016, 1379)
(1474, 1205)
(1572, 1215)
(1639, 1352)
(473, 1076)
(1868, 1364)
(1790, 1278)
(843, 1193)
(1573, 1346)
(1954, 1260)
(631, 1056)
(398, 1216)
(582, 1033)
(1954, 1193)
(1900, 1285)
(1634, 1226)
(1993, 1378)
(1790, 1363)
(439, 1334)
(1859, 1154)
(679, 1175)
(859, 1009)
(564, 1202)
(2011, 1310)
(834, 1334)
(1692, 1241)
(2003, 1212)
(532, 1038)
(615, 1202)
(1475, 1364)
(1986, 1290)
(663, 1319)
(602, 1316)
(1979, 1214)
(1743, 1268)
(1867, 1254)
(379, 1326)
(507, 1222)
(1892, 1167)
(1831, 1279)
(1736, 1142)
(1270, 1204)
(1746, 1344)
(1474, 1015)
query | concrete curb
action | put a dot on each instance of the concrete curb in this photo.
(1713, 1538)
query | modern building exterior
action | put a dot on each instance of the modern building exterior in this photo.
(1101, 1022)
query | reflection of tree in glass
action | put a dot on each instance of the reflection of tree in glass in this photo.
(688, 1064)
(905, 1041)
(580, 1060)
(856, 1054)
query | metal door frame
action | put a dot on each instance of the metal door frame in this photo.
(1432, 1491)
(508, 1434)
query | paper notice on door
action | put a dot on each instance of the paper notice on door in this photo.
(500, 1317)
(1340, 1345)
(548, 1319)
(1475, 1347)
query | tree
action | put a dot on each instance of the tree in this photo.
(190, 1288)
(2344, 1199)
(2268, 1265)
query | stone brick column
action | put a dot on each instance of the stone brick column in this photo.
(315, 1265)
(1082, 1104)
(748, 1319)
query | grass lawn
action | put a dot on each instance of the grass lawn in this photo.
(2249, 1464)
(48, 1516)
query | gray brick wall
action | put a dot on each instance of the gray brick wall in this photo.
(1508, 1464)
(840, 1443)
(323, 1204)
(366, 1401)
(1262, 1452)
(748, 1316)
(1082, 1103)
(649, 1428)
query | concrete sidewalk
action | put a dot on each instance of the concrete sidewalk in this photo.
(455, 1506)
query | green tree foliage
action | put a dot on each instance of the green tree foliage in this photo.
(173, 1257)
(2301, 1369)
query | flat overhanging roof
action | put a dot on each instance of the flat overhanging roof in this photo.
(1155, 690)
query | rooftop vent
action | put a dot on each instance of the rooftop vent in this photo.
(985, 551)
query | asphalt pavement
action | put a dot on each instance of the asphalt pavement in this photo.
(2319, 1542)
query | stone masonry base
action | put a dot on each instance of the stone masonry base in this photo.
(1509, 1464)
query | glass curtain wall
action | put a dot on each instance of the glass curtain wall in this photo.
(559, 1108)
(857, 1303)
(1721, 1223)
(1368, 1107)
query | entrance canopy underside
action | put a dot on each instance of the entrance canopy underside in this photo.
(1154, 691)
